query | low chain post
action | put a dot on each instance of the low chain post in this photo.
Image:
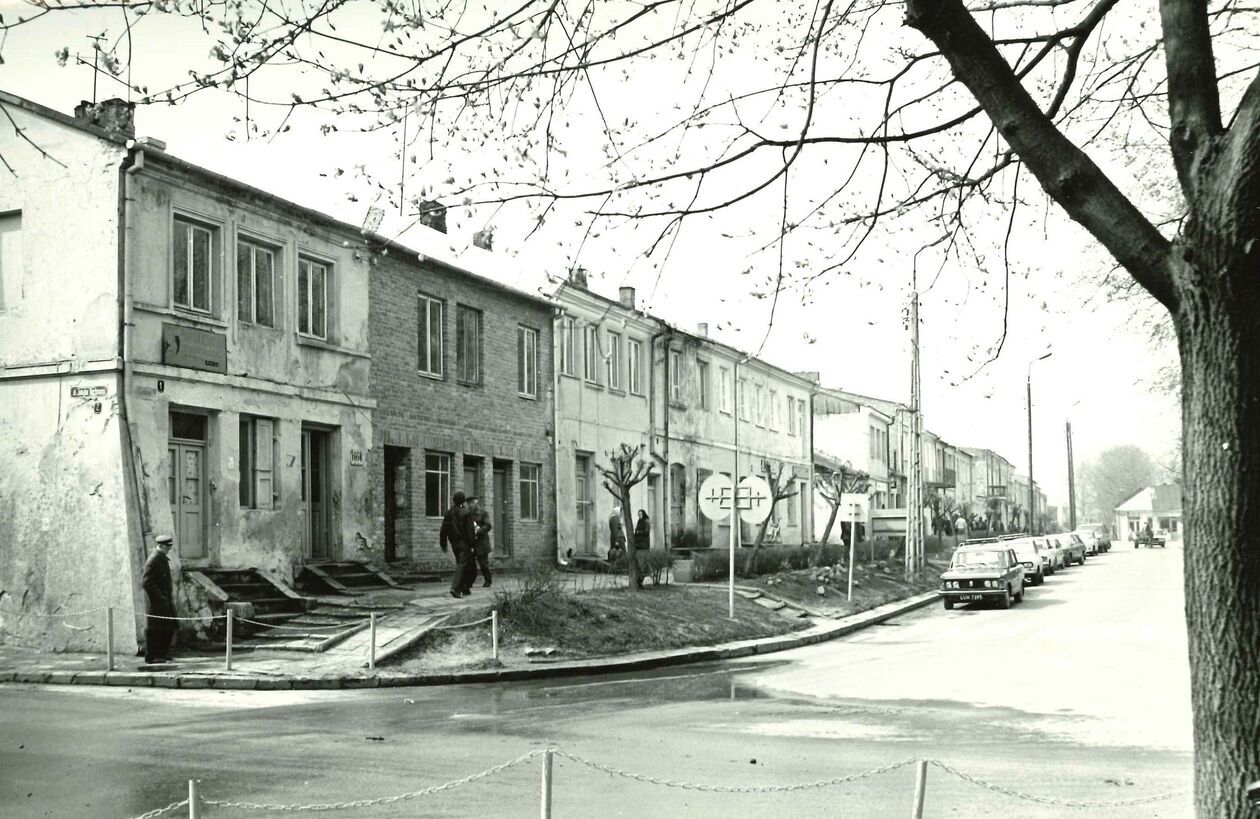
(546, 784)
(194, 799)
(372, 641)
(227, 656)
(494, 633)
(920, 788)
(109, 637)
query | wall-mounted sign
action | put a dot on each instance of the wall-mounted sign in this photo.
(87, 392)
(356, 457)
(193, 348)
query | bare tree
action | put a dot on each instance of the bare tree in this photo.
(626, 469)
(779, 491)
(832, 485)
(942, 129)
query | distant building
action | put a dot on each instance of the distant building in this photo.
(1160, 506)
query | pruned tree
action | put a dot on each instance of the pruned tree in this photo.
(833, 485)
(779, 491)
(846, 128)
(625, 470)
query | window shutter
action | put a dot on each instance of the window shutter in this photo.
(264, 446)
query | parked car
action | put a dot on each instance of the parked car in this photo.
(1028, 554)
(1090, 538)
(985, 571)
(1051, 554)
(1101, 531)
(1073, 548)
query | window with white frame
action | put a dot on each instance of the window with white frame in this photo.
(468, 344)
(743, 399)
(437, 483)
(800, 422)
(793, 505)
(675, 376)
(634, 366)
(194, 257)
(590, 358)
(568, 345)
(255, 282)
(724, 390)
(314, 279)
(773, 420)
(256, 460)
(759, 407)
(530, 474)
(614, 361)
(791, 415)
(11, 271)
(702, 381)
(527, 361)
(429, 335)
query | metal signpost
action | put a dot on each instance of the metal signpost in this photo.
(750, 501)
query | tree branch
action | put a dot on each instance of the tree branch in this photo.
(1194, 104)
(1069, 176)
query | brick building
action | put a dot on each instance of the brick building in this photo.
(463, 384)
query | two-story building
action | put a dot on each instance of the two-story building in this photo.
(992, 487)
(849, 430)
(462, 380)
(182, 354)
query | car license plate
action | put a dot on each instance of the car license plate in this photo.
(969, 597)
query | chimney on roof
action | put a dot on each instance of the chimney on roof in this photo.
(626, 297)
(811, 375)
(577, 277)
(433, 215)
(702, 329)
(114, 115)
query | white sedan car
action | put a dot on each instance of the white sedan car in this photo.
(1052, 553)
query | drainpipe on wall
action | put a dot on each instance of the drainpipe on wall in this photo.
(133, 162)
(667, 334)
(557, 340)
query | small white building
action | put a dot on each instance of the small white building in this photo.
(1160, 506)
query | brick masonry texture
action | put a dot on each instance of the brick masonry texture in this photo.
(485, 425)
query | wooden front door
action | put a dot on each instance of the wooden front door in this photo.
(501, 536)
(315, 500)
(187, 484)
(584, 542)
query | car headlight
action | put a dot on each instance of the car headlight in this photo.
(988, 584)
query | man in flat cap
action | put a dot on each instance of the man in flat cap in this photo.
(159, 595)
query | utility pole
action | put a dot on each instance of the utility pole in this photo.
(1071, 482)
(1032, 504)
(914, 494)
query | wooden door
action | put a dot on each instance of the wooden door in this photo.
(315, 494)
(502, 533)
(188, 498)
(584, 543)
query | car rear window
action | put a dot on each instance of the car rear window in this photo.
(979, 557)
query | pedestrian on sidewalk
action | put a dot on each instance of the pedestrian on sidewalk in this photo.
(481, 544)
(616, 535)
(455, 531)
(159, 598)
(643, 531)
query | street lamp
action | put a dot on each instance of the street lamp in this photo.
(1032, 503)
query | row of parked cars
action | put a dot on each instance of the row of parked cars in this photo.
(999, 569)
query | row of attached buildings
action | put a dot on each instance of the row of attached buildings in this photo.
(183, 353)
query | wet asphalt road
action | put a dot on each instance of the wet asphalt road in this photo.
(1081, 692)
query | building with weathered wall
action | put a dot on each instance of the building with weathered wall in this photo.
(216, 371)
(462, 379)
(852, 432)
(992, 490)
(605, 397)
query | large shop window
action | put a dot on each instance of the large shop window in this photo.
(314, 280)
(437, 483)
(429, 333)
(257, 459)
(195, 248)
(530, 474)
(468, 345)
(255, 283)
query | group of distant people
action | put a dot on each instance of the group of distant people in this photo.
(617, 537)
(466, 532)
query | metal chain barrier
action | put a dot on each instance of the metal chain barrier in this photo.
(693, 786)
(153, 814)
(1046, 800)
(463, 625)
(339, 627)
(384, 800)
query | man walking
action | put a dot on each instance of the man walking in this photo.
(159, 597)
(456, 532)
(481, 544)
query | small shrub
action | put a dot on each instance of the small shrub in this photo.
(709, 565)
(686, 539)
(653, 563)
(533, 604)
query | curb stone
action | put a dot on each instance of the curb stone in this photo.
(640, 662)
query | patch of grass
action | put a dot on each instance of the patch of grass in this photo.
(874, 585)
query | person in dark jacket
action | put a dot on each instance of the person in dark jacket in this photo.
(159, 597)
(456, 532)
(643, 531)
(481, 545)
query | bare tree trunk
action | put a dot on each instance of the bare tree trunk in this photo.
(1219, 339)
(831, 521)
(632, 559)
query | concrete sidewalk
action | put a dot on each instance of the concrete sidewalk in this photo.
(345, 666)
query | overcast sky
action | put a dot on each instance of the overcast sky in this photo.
(847, 326)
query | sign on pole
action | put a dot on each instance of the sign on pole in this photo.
(755, 500)
(715, 496)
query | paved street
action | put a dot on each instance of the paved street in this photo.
(1081, 692)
